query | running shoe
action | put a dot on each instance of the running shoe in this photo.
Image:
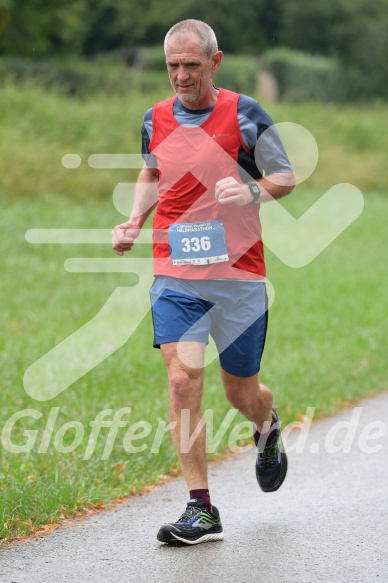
(196, 525)
(271, 461)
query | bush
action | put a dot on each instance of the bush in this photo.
(302, 76)
(238, 73)
(80, 78)
(112, 76)
(152, 58)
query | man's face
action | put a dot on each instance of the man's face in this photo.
(190, 70)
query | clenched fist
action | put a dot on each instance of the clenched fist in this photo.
(123, 237)
(230, 191)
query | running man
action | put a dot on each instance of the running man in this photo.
(212, 157)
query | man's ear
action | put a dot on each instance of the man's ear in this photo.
(217, 58)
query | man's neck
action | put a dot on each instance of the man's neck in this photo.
(208, 100)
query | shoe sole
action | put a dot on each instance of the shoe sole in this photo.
(182, 541)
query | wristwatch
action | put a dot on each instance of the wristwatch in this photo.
(255, 191)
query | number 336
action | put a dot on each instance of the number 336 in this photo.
(195, 244)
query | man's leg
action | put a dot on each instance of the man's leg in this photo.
(200, 522)
(185, 393)
(254, 400)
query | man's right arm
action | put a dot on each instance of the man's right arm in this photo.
(145, 200)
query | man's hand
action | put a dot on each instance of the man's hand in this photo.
(123, 237)
(229, 191)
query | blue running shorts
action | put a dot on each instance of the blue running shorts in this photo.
(233, 312)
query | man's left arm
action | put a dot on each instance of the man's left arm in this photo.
(273, 176)
(230, 191)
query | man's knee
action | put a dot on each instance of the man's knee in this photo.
(241, 392)
(185, 389)
(238, 401)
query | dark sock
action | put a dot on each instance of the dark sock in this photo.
(203, 495)
(266, 437)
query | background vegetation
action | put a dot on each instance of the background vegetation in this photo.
(348, 36)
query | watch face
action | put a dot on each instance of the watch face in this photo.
(255, 191)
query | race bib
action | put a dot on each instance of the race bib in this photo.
(197, 243)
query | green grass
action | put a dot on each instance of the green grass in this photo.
(328, 319)
(38, 127)
(327, 326)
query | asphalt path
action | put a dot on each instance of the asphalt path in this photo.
(328, 522)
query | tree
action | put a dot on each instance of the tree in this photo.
(353, 31)
(40, 28)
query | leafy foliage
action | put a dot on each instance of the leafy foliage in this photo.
(353, 32)
(303, 77)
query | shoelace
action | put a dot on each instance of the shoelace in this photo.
(189, 513)
(268, 455)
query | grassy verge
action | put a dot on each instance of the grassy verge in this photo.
(326, 336)
(37, 128)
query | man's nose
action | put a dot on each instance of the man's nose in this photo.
(183, 73)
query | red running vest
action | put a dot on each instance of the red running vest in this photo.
(191, 159)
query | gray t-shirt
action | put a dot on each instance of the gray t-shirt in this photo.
(267, 154)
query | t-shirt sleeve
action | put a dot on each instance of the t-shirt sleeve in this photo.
(261, 137)
(146, 135)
